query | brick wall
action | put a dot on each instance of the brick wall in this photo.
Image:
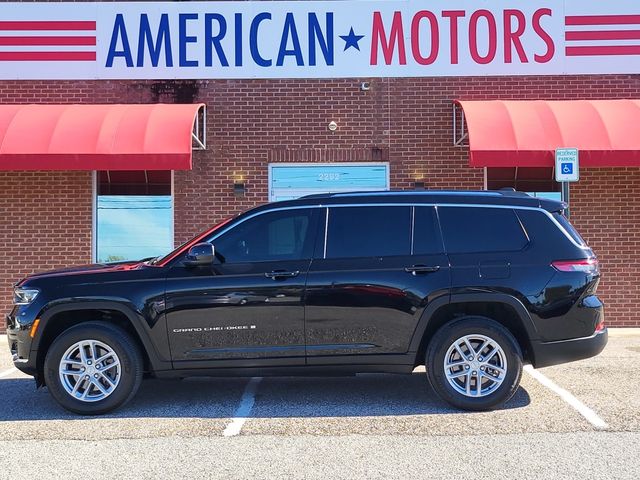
(251, 123)
(606, 211)
(45, 223)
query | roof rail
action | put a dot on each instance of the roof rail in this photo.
(512, 192)
(506, 192)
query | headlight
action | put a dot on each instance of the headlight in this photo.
(24, 296)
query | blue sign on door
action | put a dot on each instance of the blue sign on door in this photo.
(287, 182)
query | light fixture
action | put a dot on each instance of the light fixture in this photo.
(333, 126)
(239, 188)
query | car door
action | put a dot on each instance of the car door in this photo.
(246, 309)
(366, 290)
(488, 251)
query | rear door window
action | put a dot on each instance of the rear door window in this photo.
(426, 232)
(477, 229)
(368, 232)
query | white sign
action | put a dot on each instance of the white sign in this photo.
(317, 39)
(567, 165)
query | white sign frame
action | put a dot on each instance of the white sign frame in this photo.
(314, 39)
(567, 165)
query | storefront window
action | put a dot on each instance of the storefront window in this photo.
(537, 182)
(134, 215)
(549, 195)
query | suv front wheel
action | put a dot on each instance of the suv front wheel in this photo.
(93, 368)
(474, 363)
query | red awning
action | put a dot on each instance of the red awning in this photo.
(97, 137)
(527, 133)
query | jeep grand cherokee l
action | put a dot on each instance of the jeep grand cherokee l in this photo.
(470, 284)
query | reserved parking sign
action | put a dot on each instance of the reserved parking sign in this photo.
(567, 165)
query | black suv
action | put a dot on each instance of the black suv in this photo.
(469, 284)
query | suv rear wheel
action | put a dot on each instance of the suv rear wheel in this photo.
(93, 368)
(474, 363)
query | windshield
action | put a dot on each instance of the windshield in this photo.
(189, 243)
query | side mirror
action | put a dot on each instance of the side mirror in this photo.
(199, 255)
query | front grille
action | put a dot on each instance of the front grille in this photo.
(11, 323)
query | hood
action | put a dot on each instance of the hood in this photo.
(85, 269)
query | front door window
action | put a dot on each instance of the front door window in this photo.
(270, 237)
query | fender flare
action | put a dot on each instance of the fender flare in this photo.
(479, 297)
(135, 319)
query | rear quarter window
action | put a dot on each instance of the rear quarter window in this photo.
(570, 229)
(477, 229)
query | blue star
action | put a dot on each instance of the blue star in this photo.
(351, 40)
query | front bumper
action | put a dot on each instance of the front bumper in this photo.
(546, 354)
(20, 341)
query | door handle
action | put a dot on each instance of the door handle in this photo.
(281, 274)
(416, 269)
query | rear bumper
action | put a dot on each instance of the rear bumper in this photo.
(546, 354)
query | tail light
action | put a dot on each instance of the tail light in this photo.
(585, 265)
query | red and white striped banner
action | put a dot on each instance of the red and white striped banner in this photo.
(42, 40)
(598, 35)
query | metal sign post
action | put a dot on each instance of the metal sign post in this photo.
(565, 195)
(567, 170)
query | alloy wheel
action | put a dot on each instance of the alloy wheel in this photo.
(90, 370)
(475, 365)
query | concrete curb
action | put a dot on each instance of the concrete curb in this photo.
(624, 332)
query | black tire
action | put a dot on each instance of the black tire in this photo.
(444, 339)
(120, 342)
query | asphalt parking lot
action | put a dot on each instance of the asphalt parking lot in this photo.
(575, 420)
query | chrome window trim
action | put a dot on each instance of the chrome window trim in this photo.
(399, 204)
(524, 230)
(413, 225)
(326, 232)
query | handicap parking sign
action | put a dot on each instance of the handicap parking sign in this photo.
(567, 166)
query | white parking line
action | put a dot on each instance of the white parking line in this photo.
(591, 416)
(6, 373)
(244, 409)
